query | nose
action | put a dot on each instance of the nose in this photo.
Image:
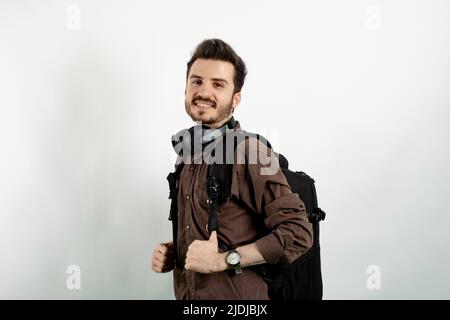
(205, 92)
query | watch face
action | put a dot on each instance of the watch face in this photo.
(233, 258)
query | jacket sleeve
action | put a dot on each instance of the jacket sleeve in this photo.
(262, 186)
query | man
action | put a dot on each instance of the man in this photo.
(262, 220)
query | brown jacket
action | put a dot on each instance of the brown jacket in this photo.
(254, 197)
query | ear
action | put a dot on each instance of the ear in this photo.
(236, 99)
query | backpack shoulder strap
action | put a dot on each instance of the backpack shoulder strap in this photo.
(173, 189)
(172, 178)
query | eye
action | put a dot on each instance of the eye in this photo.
(218, 84)
(197, 82)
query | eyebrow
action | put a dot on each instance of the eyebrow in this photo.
(214, 79)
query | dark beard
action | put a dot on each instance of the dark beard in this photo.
(223, 112)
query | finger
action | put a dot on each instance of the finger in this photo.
(158, 261)
(213, 237)
(165, 247)
(157, 267)
(165, 254)
(189, 260)
(158, 254)
(162, 248)
(166, 259)
(163, 268)
(168, 255)
(160, 258)
(169, 245)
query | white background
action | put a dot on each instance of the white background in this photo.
(355, 93)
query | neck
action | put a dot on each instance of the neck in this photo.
(219, 124)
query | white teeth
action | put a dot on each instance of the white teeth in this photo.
(203, 104)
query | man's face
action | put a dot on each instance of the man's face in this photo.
(209, 94)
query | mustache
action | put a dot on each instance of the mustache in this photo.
(196, 99)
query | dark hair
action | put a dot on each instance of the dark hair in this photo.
(217, 49)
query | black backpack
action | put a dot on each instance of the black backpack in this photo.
(299, 280)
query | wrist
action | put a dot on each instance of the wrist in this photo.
(221, 264)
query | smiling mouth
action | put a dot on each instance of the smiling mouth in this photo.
(204, 104)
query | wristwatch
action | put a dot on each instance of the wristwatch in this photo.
(234, 261)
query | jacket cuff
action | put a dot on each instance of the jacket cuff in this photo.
(270, 248)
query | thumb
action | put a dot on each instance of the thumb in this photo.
(213, 238)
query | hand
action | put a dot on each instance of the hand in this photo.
(203, 256)
(162, 260)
